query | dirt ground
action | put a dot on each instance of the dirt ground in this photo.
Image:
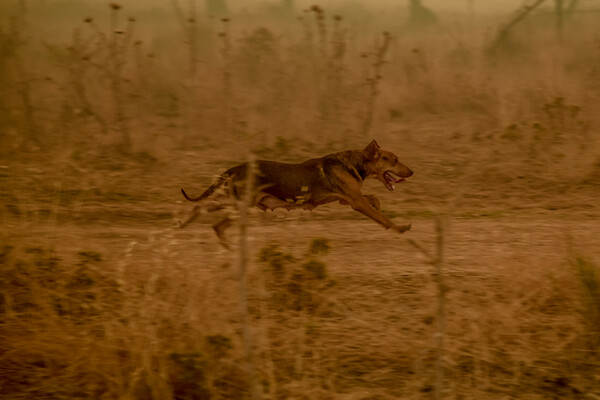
(511, 305)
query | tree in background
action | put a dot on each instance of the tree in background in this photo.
(419, 16)
(217, 8)
(288, 5)
(562, 8)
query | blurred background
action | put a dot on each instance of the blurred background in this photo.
(107, 109)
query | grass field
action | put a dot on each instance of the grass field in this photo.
(107, 111)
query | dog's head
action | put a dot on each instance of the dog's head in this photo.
(384, 166)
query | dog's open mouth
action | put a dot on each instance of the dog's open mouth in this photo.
(391, 178)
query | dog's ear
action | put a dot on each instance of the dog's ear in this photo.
(372, 150)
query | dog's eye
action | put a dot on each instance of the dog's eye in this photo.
(385, 158)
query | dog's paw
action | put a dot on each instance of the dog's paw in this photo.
(403, 228)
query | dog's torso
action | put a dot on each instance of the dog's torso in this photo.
(301, 185)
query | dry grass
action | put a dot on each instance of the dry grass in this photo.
(101, 298)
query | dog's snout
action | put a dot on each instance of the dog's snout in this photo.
(410, 172)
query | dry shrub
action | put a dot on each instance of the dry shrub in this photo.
(588, 275)
(523, 338)
(527, 339)
(85, 330)
(77, 327)
(296, 284)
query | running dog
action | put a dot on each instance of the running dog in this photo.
(335, 177)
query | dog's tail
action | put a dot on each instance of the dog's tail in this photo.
(211, 189)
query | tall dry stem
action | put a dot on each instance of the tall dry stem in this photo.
(437, 260)
(336, 68)
(77, 64)
(244, 206)
(588, 274)
(116, 45)
(118, 50)
(189, 26)
(373, 80)
(24, 79)
(319, 14)
(226, 49)
(441, 320)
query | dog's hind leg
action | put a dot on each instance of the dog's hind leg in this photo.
(268, 202)
(198, 210)
(192, 215)
(220, 228)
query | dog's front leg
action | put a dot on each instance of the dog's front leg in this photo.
(362, 205)
(373, 201)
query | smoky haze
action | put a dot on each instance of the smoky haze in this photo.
(444, 5)
(473, 123)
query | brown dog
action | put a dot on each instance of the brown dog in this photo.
(335, 177)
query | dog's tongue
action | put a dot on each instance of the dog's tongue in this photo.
(391, 178)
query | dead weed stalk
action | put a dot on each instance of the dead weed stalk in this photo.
(226, 74)
(115, 47)
(373, 79)
(188, 22)
(588, 275)
(243, 207)
(437, 260)
(16, 42)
